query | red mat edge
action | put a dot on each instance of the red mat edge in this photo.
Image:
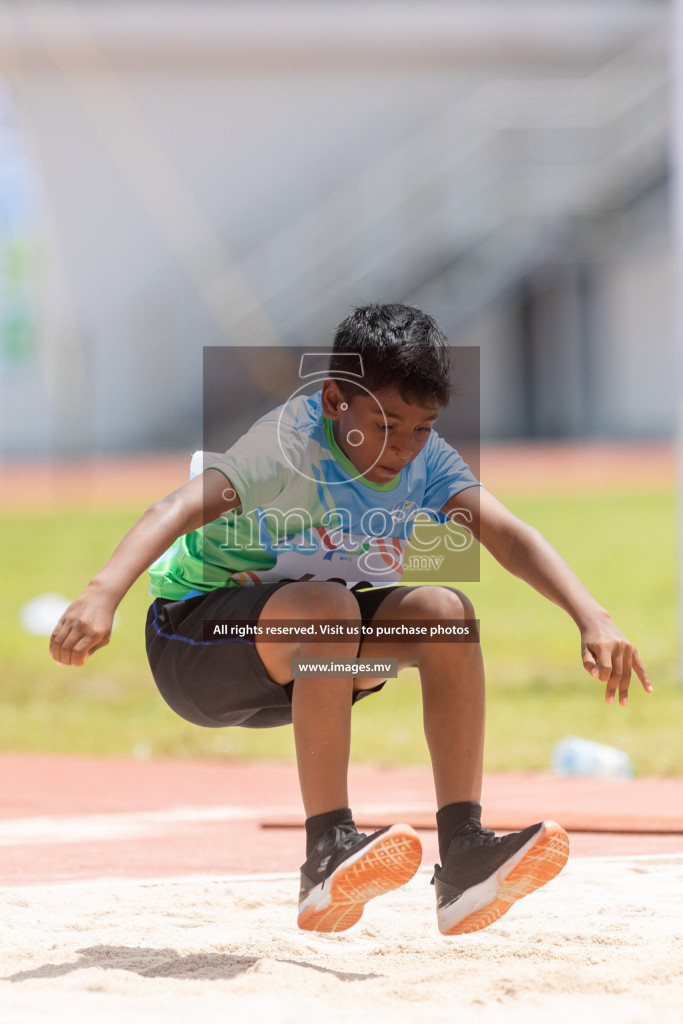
(511, 823)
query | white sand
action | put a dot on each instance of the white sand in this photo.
(602, 942)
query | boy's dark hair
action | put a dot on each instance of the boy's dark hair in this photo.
(401, 347)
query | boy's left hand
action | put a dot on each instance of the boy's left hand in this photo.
(609, 656)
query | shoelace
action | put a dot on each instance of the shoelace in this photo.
(345, 837)
(472, 829)
(336, 844)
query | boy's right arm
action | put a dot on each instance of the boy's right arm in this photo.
(86, 624)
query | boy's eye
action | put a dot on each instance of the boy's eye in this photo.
(389, 426)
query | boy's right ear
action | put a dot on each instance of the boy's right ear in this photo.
(332, 400)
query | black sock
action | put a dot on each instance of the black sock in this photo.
(449, 817)
(319, 824)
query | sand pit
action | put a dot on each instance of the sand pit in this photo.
(603, 941)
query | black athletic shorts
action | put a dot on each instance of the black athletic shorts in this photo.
(222, 682)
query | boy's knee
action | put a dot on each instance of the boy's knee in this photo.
(320, 601)
(444, 603)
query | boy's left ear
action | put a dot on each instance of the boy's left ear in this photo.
(332, 400)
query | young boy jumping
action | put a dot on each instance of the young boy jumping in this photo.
(222, 549)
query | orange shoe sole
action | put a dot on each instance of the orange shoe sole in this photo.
(538, 863)
(386, 864)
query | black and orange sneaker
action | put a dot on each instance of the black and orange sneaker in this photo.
(484, 874)
(347, 868)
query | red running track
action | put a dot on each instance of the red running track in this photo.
(66, 819)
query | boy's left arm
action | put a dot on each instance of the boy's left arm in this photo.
(607, 654)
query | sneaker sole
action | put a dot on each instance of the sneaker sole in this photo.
(538, 861)
(388, 863)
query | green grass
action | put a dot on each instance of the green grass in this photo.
(621, 545)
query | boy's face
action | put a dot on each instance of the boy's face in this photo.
(379, 446)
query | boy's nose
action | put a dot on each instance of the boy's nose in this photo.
(401, 449)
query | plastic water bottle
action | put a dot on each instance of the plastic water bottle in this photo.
(574, 755)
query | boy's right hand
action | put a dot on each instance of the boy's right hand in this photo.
(87, 623)
(84, 627)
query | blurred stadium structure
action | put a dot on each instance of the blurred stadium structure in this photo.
(199, 173)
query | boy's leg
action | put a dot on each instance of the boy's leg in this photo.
(321, 708)
(482, 874)
(344, 868)
(453, 688)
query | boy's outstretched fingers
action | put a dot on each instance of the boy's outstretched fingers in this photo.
(639, 669)
(598, 663)
(621, 677)
(614, 667)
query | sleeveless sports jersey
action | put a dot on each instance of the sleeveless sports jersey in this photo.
(306, 514)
